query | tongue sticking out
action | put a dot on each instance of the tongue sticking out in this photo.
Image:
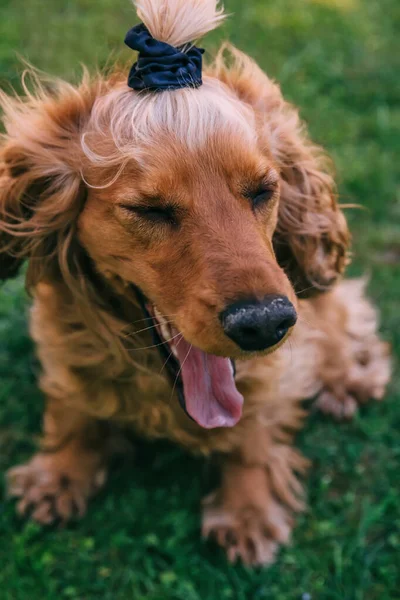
(211, 397)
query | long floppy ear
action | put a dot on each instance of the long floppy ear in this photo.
(312, 238)
(41, 190)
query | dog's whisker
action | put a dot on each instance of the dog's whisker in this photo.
(131, 333)
(154, 345)
(180, 371)
(171, 353)
(311, 287)
(148, 328)
(307, 322)
(291, 351)
(169, 319)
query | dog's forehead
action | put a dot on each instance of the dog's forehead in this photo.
(222, 150)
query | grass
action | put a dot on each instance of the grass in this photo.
(339, 61)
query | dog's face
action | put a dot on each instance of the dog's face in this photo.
(193, 230)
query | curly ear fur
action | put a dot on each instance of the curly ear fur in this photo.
(312, 237)
(41, 189)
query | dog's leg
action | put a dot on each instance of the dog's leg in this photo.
(357, 363)
(71, 466)
(252, 511)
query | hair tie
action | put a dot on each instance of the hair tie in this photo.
(161, 66)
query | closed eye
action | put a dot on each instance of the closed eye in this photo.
(166, 215)
(262, 194)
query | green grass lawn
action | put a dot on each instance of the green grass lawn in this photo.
(339, 61)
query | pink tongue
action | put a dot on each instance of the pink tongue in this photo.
(211, 397)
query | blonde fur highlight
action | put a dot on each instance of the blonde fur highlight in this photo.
(179, 22)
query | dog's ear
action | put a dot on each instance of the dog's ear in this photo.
(41, 190)
(312, 238)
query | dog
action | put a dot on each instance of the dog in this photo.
(185, 251)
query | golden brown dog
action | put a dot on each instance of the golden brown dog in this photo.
(175, 241)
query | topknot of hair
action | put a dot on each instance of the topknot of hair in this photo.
(179, 22)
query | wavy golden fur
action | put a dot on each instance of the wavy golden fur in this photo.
(75, 162)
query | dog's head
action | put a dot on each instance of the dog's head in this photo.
(210, 201)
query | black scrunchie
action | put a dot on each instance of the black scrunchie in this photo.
(161, 66)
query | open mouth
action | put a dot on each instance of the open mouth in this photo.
(205, 383)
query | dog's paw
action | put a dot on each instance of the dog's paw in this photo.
(248, 533)
(366, 379)
(50, 490)
(369, 375)
(341, 408)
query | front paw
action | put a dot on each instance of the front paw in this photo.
(49, 491)
(248, 533)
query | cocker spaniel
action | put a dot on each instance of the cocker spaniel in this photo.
(185, 248)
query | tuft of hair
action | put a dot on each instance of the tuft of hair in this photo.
(179, 22)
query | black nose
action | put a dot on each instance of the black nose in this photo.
(257, 325)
